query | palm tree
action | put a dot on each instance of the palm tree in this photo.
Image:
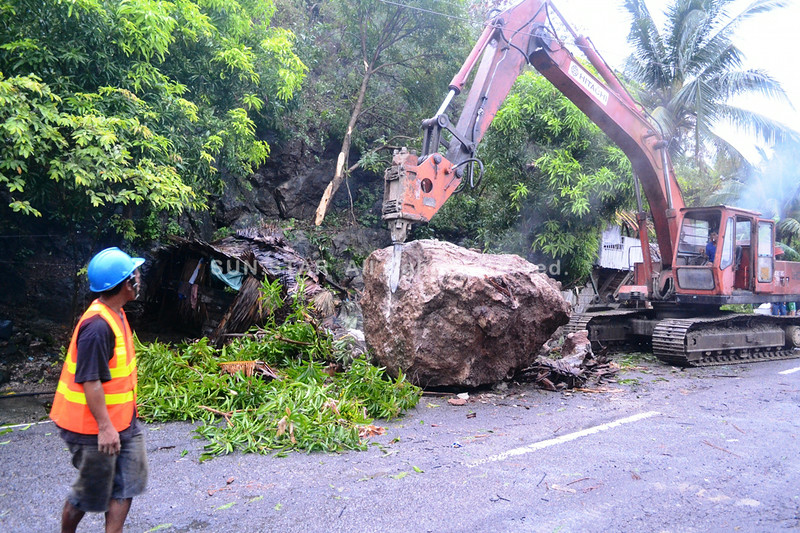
(691, 70)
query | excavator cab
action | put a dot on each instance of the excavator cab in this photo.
(723, 255)
(695, 244)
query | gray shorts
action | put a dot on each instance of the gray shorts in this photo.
(102, 477)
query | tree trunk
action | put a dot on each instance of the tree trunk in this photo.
(341, 162)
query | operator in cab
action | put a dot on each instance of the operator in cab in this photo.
(711, 247)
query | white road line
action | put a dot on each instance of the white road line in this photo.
(790, 371)
(562, 439)
(26, 425)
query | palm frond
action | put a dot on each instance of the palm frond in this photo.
(789, 227)
(755, 123)
(722, 146)
(753, 81)
(649, 60)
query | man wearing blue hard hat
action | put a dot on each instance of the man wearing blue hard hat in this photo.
(95, 402)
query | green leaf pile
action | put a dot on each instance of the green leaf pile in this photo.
(307, 409)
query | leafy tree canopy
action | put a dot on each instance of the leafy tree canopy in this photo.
(387, 41)
(136, 102)
(376, 68)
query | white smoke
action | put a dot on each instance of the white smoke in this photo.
(774, 188)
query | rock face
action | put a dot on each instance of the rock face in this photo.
(458, 317)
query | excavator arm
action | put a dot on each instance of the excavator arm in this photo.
(418, 185)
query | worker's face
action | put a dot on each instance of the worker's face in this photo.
(133, 285)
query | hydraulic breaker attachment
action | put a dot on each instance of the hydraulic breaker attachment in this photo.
(415, 190)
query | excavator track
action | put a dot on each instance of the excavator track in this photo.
(720, 339)
(710, 341)
(608, 328)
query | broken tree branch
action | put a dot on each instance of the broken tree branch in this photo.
(721, 449)
(226, 416)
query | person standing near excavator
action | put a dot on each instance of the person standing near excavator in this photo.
(95, 402)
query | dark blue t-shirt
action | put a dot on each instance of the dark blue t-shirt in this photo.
(95, 349)
(711, 251)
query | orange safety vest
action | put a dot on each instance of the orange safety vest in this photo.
(70, 410)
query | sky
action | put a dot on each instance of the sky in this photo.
(765, 39)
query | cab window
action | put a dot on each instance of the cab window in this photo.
(765, 251)
(727, 246)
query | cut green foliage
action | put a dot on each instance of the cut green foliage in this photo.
(634, 360)
(307, 409)
(159, 527)
(226, 506)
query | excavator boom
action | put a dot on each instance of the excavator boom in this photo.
(521, 35)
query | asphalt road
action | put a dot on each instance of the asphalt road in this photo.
(713, 449)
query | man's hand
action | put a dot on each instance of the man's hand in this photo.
(108, 440)
(107, 437)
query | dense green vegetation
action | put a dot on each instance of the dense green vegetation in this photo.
(311, 407)
(119, 116)
(135, 104)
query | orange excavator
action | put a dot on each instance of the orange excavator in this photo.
(673, 303)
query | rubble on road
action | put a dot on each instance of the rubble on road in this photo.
(576, 366)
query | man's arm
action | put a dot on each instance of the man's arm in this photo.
(107, 437)
(95, 348)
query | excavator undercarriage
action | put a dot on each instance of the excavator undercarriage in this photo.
(713, 338)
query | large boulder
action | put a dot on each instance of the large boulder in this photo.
(458, 317)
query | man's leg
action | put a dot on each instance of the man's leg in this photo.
(116, 514)
(70, 518)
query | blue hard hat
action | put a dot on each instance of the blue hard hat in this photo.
(110, 267)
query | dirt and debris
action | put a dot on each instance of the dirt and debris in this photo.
(212, 289)
(575, 368)
(30, 355)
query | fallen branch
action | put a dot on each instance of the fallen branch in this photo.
(721, 449)
(578, 480)
(224, 415)
(599, 390)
